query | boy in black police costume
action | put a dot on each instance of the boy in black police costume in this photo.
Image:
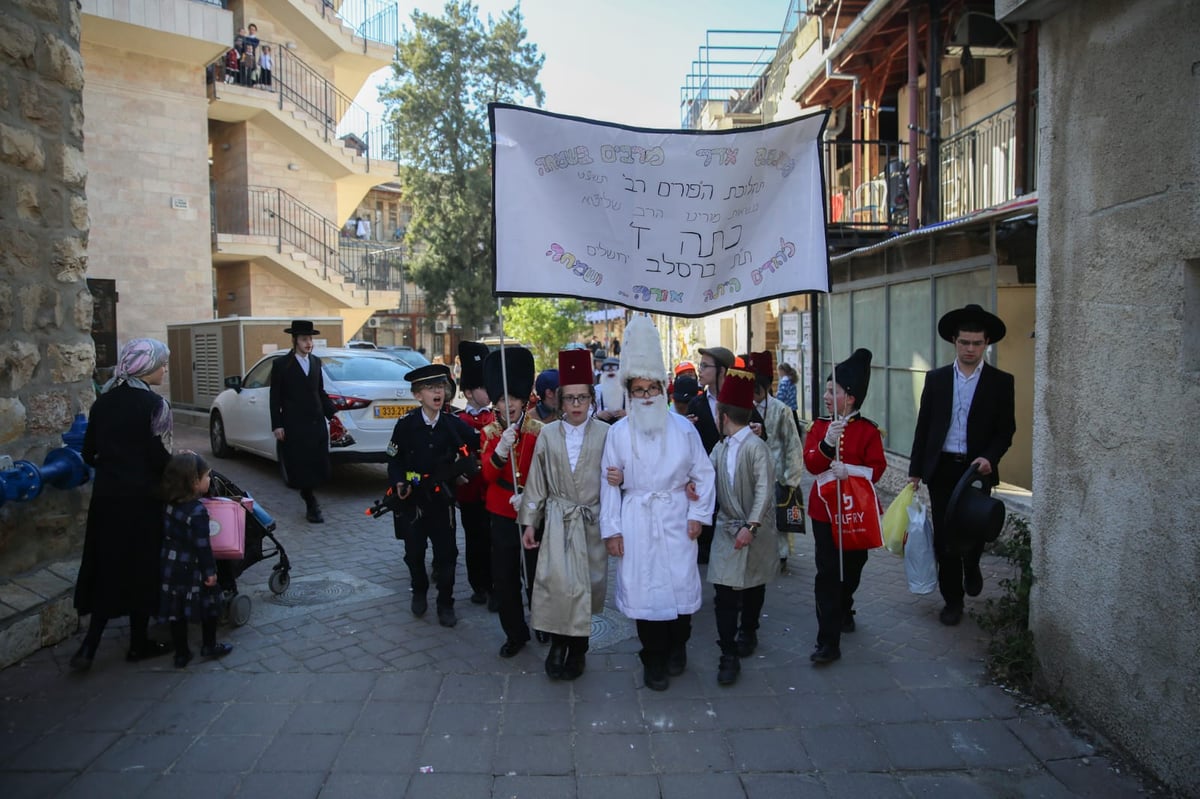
(430, 453)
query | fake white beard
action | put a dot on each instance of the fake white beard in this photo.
(612, 395)
(648, 416)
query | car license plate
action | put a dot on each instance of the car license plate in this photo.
(392, 411)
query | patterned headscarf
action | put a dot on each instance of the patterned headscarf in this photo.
(138, 358)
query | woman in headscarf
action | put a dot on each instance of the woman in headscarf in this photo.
(128, 443)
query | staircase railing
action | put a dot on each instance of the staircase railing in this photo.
(372, 20)
(273, 213)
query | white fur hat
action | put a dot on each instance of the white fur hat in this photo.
(641, 352)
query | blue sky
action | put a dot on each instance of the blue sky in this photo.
(617, 60)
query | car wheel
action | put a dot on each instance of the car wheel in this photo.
(216, 437)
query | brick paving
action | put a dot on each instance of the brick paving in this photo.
(335, 690)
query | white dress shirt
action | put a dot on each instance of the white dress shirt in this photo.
(964, 395)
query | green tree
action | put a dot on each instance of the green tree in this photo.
(447, 69)
(545, 324)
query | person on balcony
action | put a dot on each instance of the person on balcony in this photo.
(264, 68)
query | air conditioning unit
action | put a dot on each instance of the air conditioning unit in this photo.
(373, 321)
(440, 327)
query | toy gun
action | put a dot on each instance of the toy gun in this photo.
(391, 501)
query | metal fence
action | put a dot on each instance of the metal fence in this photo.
(978, 166)
(372, 20)
(273, 213)
(866, 183)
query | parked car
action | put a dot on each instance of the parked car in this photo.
(366, 386)
(410, 356)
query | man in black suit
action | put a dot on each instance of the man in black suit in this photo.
(299, 408)
(702, 411)
(966, 420)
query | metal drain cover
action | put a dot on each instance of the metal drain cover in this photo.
(610, 627)
(314, 592)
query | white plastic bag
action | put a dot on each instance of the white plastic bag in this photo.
(920, 564)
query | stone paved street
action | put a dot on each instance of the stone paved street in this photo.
(335, 690)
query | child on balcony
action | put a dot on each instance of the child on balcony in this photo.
(264, 68)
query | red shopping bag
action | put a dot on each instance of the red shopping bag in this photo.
(857, 506)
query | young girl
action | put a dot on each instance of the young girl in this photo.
(189, 571)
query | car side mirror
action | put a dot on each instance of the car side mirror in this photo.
(234, 382)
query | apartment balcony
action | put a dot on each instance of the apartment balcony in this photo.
(184, 31)
(355, 37)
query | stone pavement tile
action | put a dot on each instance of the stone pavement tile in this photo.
(751, 682)
(620, 714)
(110, 714)
(278, 687)
(999, 702)
(457, 754)
(383, 754)
(597, 754)
(768, 750)
(534, 787)
(949, 785)
(535, 754)
(841, 748)
(700, 786)
(130, 684)
(293, 786)
(364, 786)
(346, 688)
(62, 751)
(884, 707)
(816, 710)
(252, 718)
(916, 747)
(35, 785)
(464, 719)
(1048, 738)
(534, 718)
(951, 703)
(625, 787)
(471, 688)
(987, 744)
(90, 785)
(188, 786)
(292, 753)
(665, 713)
(537, 687)
(393, 717)
(1094, 776)
(13, 742)
(407, 686)
(914, 674)
(328, 661)
(443, 786)
(748, 712)
(152, 753)
(222, 754)
(37, 716)
(690, 752)
(323, 717)
(788, 786)
(1038, 786)
(856, 783)
(169, 717)
(604, 685)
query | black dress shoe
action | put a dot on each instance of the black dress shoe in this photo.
(848, 625)
(479, 598)
(825, 654)
(82, 660)
(950, 615)
(419, 605)
(556, 658)
(542, 637)
(150, 649)
(677, 661)
(747, 642)
(314, 515)
(216, 650)
(972, 580)
(574, 667)
(655, 679)
(728, 670)
(510, 648)
(446, 616)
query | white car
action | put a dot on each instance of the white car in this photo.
(367, 388)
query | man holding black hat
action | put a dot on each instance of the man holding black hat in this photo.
(966, 421)
(299, 408)
(426, 444)
(477, 528)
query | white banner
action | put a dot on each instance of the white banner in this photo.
(685, 223)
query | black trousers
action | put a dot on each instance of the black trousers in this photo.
(576, 644)
(477, 540)
(660, 637)
(435, 527)
(179, 634)
(507, 555)
(729, 604)
(834, 592)
(952, 556)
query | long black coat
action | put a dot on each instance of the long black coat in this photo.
(300, 406)
(118, 573)
(706, 425)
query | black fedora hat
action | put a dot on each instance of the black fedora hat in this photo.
(952, 322)
(302, 327)
(973, 510)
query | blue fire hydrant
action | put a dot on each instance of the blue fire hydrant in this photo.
(22, 481)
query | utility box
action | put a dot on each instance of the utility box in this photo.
(204, 353)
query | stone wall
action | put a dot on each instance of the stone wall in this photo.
(46, 352)
(1116, 552)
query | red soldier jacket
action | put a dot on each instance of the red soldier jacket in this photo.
(473, 491)
(861, 444)
(497, 472)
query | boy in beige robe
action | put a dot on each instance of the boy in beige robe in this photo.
(562, 492)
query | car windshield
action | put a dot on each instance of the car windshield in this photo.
(364, 368)
(412, 358)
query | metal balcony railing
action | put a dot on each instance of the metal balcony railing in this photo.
(372, 20)
(376, 265)
(978, 164)
(275, 214)
(867, 183)
(337, 116)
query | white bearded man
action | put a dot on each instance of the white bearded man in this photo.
(646, 517)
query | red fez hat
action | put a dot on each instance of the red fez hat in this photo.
(737, 390)
(762, 364)
(575, 368)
